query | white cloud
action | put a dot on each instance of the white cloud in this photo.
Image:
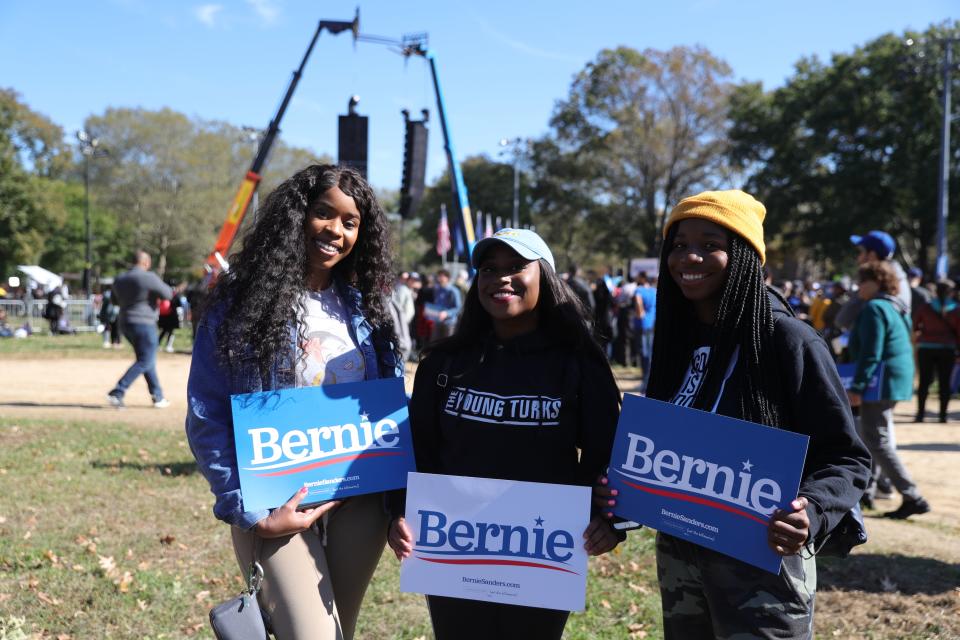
(207, 13)
(519, 45)
(266, 9)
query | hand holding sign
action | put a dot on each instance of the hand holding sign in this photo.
(599, 537)
(604, 496)
(400, 538)
(788, 531)
(286, 520)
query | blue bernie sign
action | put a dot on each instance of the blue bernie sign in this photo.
(872, 392)
(707, 479)
(337, 440)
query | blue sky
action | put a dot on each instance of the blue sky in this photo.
(503, 64)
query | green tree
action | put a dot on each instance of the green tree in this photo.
(638, 131)
(848, 146)
(490, 188)
(169, 180)
(32, 156)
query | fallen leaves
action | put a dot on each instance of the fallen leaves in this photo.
(107, 565)
(123, 582)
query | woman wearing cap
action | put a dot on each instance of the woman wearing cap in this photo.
(763, 365)
(523, 333)
(302, 305)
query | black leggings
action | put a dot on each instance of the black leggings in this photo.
(941, 361)
(459, 619)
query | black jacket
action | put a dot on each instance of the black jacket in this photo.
(837, 466)
(514, 410)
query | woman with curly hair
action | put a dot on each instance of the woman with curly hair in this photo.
(882, 335)
(302, 304)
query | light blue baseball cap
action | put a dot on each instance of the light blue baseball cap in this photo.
(525, 242)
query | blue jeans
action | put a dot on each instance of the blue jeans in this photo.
(143, 337)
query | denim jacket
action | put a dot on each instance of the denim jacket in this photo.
(209, 424)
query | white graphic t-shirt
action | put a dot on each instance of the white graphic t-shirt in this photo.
(697, 372)
(694, 377)
(329, 354)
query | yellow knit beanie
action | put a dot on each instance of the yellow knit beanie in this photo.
(737, 211)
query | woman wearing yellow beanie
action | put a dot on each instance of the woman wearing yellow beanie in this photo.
(725, 343)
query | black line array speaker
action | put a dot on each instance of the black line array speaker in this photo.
(414, 165)
(353, 142)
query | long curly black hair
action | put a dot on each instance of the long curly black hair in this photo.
(261, 295)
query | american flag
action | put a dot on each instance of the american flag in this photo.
(443, 232)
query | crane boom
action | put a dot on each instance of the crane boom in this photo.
(216, 261)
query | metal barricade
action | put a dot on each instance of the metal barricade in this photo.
(81, 315)
(15, 309)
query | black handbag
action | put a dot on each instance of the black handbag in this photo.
(850, 532)
(240, 618)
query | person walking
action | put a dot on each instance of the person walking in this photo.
(882, 336)
(137, 292)
(305, 303)
(524, 334)
(937, 326)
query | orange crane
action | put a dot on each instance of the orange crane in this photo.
(216, 261)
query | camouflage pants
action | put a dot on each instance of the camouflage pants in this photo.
(709, 595)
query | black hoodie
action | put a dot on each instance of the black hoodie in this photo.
(837, 466)
(514, 410)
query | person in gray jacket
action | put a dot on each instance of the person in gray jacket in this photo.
(875, 245)
(137, 291)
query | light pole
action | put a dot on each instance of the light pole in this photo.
(89, 148)
(943, 183)
(515, 143)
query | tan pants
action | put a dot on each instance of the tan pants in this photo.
(312, 591)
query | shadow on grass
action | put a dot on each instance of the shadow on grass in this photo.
(930, 446)
(169, 469)
(58, 405)
(874, 573)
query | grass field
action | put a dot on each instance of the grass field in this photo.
(106, 532)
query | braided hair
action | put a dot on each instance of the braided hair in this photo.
(744, 318)
(261, 295)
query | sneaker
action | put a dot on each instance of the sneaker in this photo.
(162, 403)
(909, 508)
(115, 400)
(168, 349)
(106, 345)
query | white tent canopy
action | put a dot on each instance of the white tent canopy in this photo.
(43, 277)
